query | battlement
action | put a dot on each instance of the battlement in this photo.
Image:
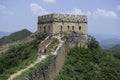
(62, 18)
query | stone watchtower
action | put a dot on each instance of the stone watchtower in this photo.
(75, 25)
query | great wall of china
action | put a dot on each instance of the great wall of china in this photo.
(74, 26)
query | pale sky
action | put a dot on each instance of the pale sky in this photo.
(103, 15)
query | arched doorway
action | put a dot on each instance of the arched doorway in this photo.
(44, 29)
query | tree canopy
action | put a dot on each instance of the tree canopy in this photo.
(90, 64)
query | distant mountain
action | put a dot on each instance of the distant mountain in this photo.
(115, 48)
(106, 41)
(4, 34)
(15, 36)
(101, 37)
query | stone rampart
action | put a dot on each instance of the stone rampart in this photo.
(52, 69)
(43, 44)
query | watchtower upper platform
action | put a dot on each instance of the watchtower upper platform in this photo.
(62, 18)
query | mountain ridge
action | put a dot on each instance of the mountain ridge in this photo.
(19, 35)
(115, 48)
(106, 41)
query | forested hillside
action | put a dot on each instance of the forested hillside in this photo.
(18, 57)
(15, 36)
(90, 64)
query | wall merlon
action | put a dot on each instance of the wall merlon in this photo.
(62, 17)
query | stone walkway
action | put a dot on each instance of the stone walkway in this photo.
(27, 68)
(39, 59)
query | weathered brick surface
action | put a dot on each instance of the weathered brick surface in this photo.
(52, 69)
(63, 23)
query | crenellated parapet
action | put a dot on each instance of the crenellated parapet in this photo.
(62, 18)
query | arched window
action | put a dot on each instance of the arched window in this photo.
(45, 50)
(40, 28)
(61, 28)
(72, 27)
(44, 29)
(62, 22)
(68, 27)
(49, 27)
(79, 27)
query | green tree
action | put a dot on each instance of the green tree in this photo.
(92, 43)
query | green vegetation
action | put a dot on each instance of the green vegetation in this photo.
(15, 37)
(30, 72)
(40, 65)
(90, 64)
(65, 37)
(54, 44)
(16, 58)
(81, 64)
(55, 41)
(19, 56)
(92, 43)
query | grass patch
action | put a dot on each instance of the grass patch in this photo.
(31, 71)
(16, 58)
(40, 65)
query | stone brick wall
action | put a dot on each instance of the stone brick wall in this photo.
(52, 69)
(43, 44)
(69, 26)
(52, 23)
(61, 17)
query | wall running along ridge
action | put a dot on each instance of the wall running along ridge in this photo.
(52, 69)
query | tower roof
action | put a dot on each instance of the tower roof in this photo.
(62, 17)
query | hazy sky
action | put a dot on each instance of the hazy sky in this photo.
(103, 15)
